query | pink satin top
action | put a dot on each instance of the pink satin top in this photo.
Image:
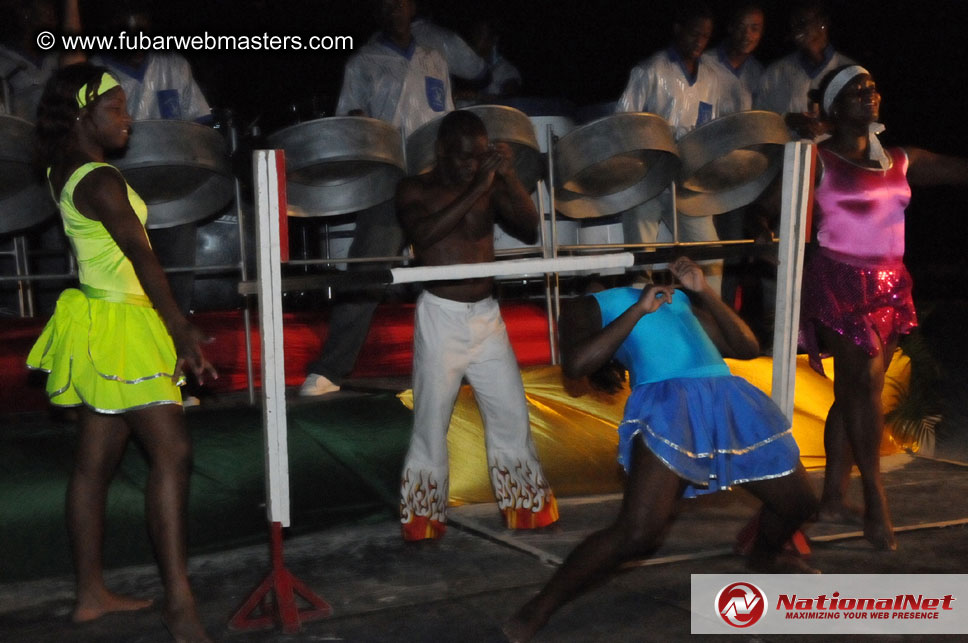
(859, 210)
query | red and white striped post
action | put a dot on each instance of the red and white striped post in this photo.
(272, 250)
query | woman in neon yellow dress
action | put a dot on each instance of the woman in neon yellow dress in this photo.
(116, 347)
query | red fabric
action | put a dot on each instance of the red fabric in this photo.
(20, 388)
(423, 528)
(388, 350)
(524, 518)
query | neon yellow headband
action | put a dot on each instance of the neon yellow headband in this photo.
(108, 82)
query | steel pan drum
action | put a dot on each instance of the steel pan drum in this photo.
(216, 244)
(605, 230)
(560, 125)
(728, 162)
(613, 164)
(24, 197)
(567, 235)
(181, 170)
(339, 165)
(504, 124)
(337, 237)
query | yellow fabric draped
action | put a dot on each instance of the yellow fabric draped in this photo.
(574, 426)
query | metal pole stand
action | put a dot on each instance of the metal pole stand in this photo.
(259, 613)
(273, 249)
(799, 161)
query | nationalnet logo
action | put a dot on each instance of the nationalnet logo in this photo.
(830, 604)
(863, 607)
(741, 604)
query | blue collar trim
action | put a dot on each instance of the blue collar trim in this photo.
(724, 60)
(813, 69)
(674, 57)
(392, 46)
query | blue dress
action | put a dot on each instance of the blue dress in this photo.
(713, 429)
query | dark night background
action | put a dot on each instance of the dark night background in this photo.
(583, 52)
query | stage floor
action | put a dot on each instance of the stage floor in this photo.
(345, 540)
(461, 588)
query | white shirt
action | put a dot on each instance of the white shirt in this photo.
(661, 86)
(740, 83)
(405, 88)
(462, 60)
(784, 85)
(26, 78)
(163, 87)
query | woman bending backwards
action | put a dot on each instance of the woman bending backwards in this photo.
(689, 428)
(115, 348)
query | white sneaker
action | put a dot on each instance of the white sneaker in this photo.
(316, 385)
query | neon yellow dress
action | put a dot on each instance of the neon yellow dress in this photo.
(105, 346)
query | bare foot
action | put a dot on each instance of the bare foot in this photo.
(517, 631)
(92, 607)
(525, 623)
(840, 512)
(184, 626)
(880, 534)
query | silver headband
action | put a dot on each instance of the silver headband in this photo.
(839, 81)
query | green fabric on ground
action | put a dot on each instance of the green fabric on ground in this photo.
(342, 467)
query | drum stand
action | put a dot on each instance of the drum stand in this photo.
(25, 290)
(25, 278)
(243, 268)
(258, 613)
(552, 292)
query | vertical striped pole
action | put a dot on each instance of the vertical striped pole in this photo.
(270, 201)
(798, 161)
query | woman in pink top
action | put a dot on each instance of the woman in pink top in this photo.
(856, 299)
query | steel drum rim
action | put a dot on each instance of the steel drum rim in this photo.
(528, 138)
(20, 211)
(606, 138)
(580, 206)
(567, 168)
(390, 148)
(716, 140)
(28, 203)
(694, 156)
(304, 199)
(209, 198)
(336, 140)
(567, 123)
(157, 145)
(332, 119)
(212, 156)
(26, 129)
(700, 204)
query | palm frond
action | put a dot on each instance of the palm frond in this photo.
(912, 422)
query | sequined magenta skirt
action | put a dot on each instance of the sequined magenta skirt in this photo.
(866, 300)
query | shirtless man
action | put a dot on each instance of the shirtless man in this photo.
(449, 216)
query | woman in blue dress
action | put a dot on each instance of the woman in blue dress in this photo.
(690, 427)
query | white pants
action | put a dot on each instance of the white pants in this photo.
(454, 339)
(641, 225)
